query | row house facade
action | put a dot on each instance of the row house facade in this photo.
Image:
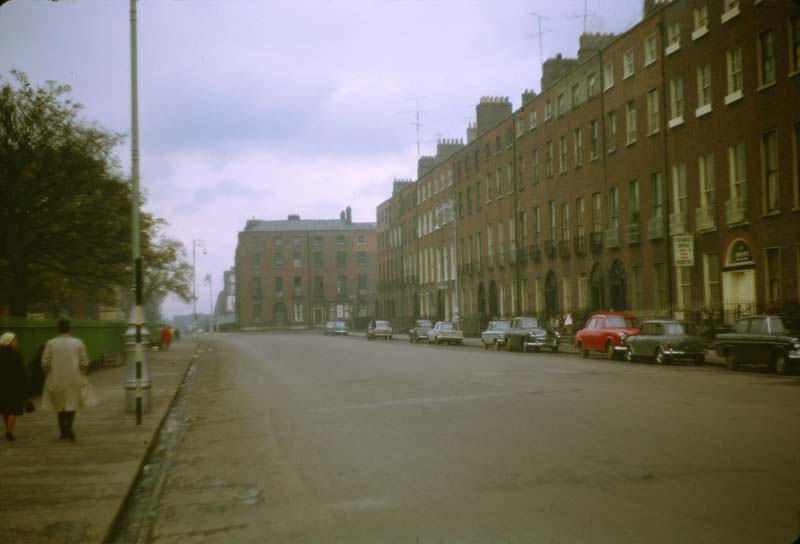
(302, 273)
(659, 172)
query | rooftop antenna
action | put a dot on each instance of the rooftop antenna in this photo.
(416, 123)
(539, 34)
(585, 15)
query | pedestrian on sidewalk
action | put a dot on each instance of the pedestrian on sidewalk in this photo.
(66, 387)
(13, 382)
(166, 338)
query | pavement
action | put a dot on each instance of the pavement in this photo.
(59, 491)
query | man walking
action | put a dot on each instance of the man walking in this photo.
(66, 387)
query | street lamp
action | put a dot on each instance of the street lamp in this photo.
(195, 245)
(209, 281)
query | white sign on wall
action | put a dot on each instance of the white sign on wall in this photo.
(683, 250)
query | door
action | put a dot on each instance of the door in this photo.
(618, 287)
(596, 288)
(550, 295)
(738, 293)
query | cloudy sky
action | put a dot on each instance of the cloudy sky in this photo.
(261, 108)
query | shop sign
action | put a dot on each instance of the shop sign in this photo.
(740, 253)
(683, 250)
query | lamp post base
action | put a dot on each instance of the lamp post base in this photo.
(130, 398)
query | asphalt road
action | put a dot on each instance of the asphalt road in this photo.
(303, 438)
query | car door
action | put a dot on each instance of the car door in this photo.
(596, 334)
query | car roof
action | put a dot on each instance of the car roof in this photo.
(613, 314)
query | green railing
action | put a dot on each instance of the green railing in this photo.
(104, 339)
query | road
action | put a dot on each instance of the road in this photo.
(303, 438)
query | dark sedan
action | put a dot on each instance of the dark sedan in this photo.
(665, 340)
(526, 334)
(495, 334)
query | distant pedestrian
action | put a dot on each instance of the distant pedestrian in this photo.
(177, 335)
(66, 387)
(166, 338)
(568, 323)
(13, 382)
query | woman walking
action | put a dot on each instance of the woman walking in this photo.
(13, 382)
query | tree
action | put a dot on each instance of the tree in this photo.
(166, 271)
(65, 215)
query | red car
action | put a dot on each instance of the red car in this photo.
(607, 332)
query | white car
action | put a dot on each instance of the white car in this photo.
(445, 332)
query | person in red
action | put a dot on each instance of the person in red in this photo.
(166, 338)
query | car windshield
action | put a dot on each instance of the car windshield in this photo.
(622, 322)
(674, 329)
(527, 322)
(424, 323)
(329, 324)
(499, 325)
(382, 324)
(776, 325)
(341, 325)
(445, 326)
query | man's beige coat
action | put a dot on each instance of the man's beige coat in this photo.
(66, 363)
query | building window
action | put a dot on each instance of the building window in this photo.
(535, 167)
(277, 259)
(297, 260)
(794, 44)
(611, 131)
(562, 155)
(766, 58)
(548, 165)
(636, 288)
(565, 222)
(256, 262)
(341, 258)
(277, 241)
(362, 240)
(577, 136)
(772, 276)
(735, 75)
(712, 295)
(340, 240)
(257, 314)
(488, 188)
(256, 288)
(730, 9)
(519, 126)
(591, 85)
(769, 171)
(630, 122)
(673, 38)
(579, 213)
(608, 76)
(532, 120)
(633, 201)
(341, 286)
(628, 64)
(737, 168)
(362, 284)
(298, 312)
(319, 287)
(679, 189)
(684, 279)
(279, 287)
(650, 49)
(561, 104)
(613, 208)
(653, 112)
(548, 110)
(537, 225)
(657, 195)
(660, 286)
(700, 21)
(594, 140)
(552, 210)
(703, 90)
(362, 258)
(597, 217)
(576, 95)
(676, 102)
(705, 164)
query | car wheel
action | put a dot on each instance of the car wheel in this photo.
(610, 351)
(411, 339)
(700, 360)
(485, 345)
(730, 361)
(781, 364)
(584, 352)
(555, 348)
(660, 359)
(390, 337)
(497, 345)
(524, 347)
(629, 355)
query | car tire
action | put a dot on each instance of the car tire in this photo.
(610, 353)
(497, 344)
(700, 360)
(411, 339)
(485, 345)
(629, 356)
(524, 347)
(584, 352)
(660, 359)
(555, 348)
(730, 361)
(781, 364)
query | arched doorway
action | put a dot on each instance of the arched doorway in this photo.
(279, 314)
(493, 309)
(596, 288)
(618, 286)
(738, 281)
(550, 294)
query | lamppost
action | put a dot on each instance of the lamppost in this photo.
(137, 384)
(195, 245)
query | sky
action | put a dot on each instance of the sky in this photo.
(264, 108)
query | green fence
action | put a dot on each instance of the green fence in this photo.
(104, 339)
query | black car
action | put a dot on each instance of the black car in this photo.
(420, 330)
(760, 339)
(526, 334)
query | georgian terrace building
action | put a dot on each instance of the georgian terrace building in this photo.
(658, 172)
(304, 272)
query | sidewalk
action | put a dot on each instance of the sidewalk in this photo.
(65, 492)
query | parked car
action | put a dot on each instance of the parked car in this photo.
(379, 329)
(495, 334)
(526, 334)
(666, 340)
(420, 330)
(607, 332)
(340, 328)
(759, 339)
(329, 328)
(445, 332)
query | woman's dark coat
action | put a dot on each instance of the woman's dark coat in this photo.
(13, 382)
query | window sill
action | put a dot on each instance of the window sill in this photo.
(765, 86)
(624, 77)
(606, 89)
(675, 122)
(735, 96)
(699, 33)
(794, 73)
(707, 230)
(655, 132)
(672, 48)
(773, 213)
(730, 14)
(649, 62)
(611, 151)
(702, 110)
(632, 142)
(594, 159)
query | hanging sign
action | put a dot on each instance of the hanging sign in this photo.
(683, 250)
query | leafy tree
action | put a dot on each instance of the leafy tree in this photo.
(65, 215)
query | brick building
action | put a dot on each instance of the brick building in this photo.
(658, 172)
(300, 272)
